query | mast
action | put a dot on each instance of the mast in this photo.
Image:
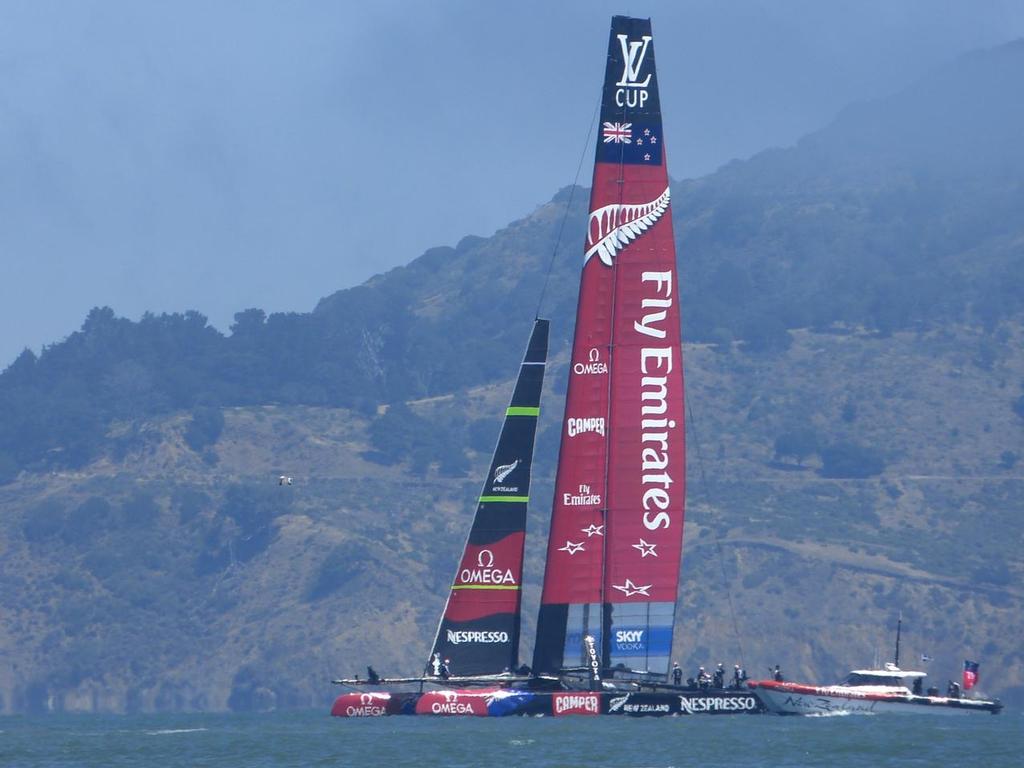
(899, 626)
(479, 628)
(617, 518)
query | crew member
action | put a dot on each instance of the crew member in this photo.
(739, 676)
(371, 675)
(719, 676)
(677, 674)
(777, 674)
(953, 690)
(446, 670)
(703, 678)
(917, 686)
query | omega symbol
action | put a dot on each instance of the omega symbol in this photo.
(485, 559)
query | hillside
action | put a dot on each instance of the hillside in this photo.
(207, 585)
(854, 316)
(903, 213)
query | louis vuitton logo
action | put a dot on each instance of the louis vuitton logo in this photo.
(633, 54)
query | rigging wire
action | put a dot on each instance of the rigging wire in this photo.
(565, 216)
(568, 207)
(714, 535)
(606, 607)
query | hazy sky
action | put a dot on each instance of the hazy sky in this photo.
(223, 155)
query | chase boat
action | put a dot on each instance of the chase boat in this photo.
(866, 691)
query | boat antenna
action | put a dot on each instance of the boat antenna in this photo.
(899, 625)
(568, 207)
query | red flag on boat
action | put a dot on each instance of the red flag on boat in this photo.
(970, 674)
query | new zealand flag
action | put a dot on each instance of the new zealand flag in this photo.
(970, 674)
(635, 143)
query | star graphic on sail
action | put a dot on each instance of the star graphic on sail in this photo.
(630, 589)
(645, 548)
(571, 547)
(593, 530)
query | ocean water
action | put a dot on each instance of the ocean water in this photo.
(315, 739)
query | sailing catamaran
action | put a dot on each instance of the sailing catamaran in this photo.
(604, 632)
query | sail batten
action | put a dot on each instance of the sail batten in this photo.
(617, 518)
(479, 629)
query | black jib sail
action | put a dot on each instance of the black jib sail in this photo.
(479, 629)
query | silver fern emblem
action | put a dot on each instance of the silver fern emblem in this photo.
(503, 471)
(615, 226)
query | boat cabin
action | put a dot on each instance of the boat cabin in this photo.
(891, 676)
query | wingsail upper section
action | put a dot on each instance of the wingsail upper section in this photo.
(479, 630)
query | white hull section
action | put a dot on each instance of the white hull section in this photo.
(836, 703)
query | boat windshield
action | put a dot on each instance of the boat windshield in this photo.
(859, 678)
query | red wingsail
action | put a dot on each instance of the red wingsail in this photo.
(617, 519)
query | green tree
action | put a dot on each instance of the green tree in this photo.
(851, 461)
(9, 468)
(343, 564)
(90, 518)
(140, 509)
(1018, 406)
(849, 412)
(43, 522)
(797, 443)
(205, 427)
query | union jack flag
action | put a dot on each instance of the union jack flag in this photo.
(619, 133)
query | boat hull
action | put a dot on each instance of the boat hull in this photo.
(797, 699)
(374, 704)
(505, 702)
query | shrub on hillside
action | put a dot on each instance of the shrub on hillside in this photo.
(90, 518)
(346, 561)
(8, 468)
(401, 435)
(765, 335)
(253, 509)
(204, 429)
(1018, 406)
(43, 521)
(797, 443)
(189, 503)
(851, 461)
(140, 509)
